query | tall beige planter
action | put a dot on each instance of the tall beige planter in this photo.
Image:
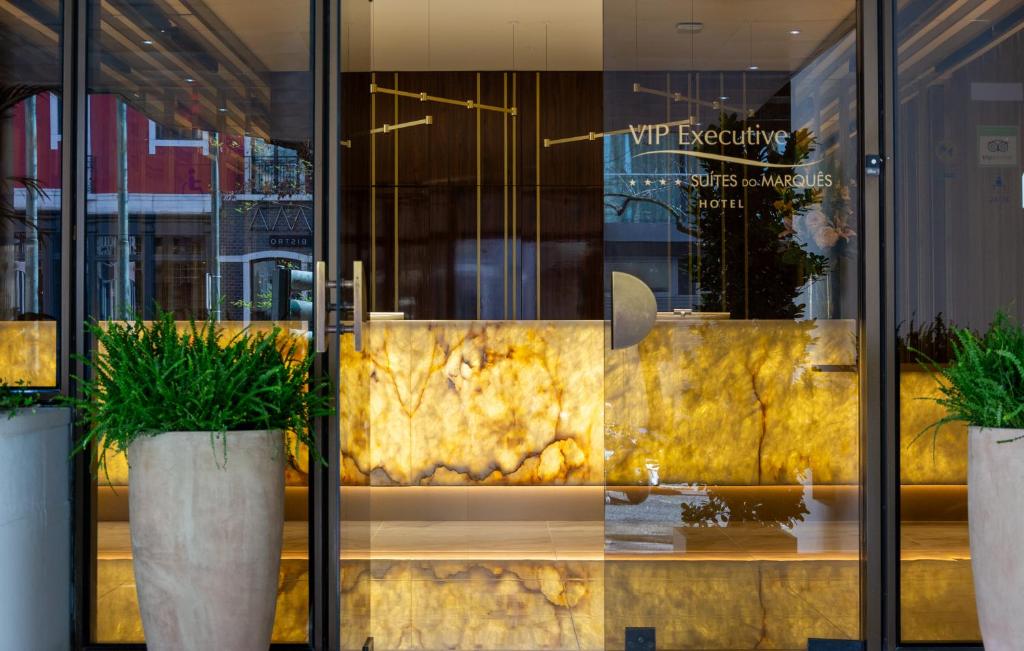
(995, 500)
(35, 529)
(206, 538)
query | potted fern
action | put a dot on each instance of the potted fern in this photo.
(35, 519)
(983, 385)
(203, 420)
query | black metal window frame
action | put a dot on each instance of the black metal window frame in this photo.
(879, 542)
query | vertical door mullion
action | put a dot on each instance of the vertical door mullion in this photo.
(324, 479)
(74, 122)
(317, 472)
(890, 363)
(874, 599)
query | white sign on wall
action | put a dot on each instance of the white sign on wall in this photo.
(997, 146)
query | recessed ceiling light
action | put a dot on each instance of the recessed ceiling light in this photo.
(147, 42)
(751, 67)
(689, 27)
(222, 110)
(723, 98)
(794, 32)
(189, 79)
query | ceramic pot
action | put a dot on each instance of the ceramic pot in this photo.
(35, 529)
(206, 538)
(995, 500)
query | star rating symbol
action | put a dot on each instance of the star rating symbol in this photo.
(679, 183)
(663, 182)
(647, 182)
(632, 183)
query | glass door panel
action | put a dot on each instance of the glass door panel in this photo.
(200, 195)
(732, 428)
(508, 480)
(958, 231)
(30, 194)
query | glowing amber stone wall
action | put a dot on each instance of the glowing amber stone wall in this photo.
(474, 403)
(928, 456)
(717, 402)
(530, 402)
(735, 403)
(28, 352)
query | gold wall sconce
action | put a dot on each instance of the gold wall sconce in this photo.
(388, 128)
(424, 97)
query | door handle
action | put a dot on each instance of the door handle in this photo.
(321, 285)
(634, 310)
(320, 309)
(358, 305)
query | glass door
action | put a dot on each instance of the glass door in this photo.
(731, 421)
(959, 187)
(200, 201)
(608, 376)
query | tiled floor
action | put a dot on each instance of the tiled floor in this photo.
(552, 585)
(447, 604)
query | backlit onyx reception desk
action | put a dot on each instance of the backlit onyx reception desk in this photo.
(728, 402)
(544, 403)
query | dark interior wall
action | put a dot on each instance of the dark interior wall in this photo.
(958, 219)
(425, 260)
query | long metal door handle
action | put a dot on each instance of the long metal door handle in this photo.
(634, 310)
(358, 305)
(321, 285)
(320, 307)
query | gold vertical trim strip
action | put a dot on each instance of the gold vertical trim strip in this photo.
(746, 219)
(373, 197)
(536, 249)
(691, 287)
(668, 221)
(395, 197)
(479, 190)
(515, 201)
(504, 198)
(700, 245)
(721, 216)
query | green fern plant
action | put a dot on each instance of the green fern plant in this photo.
(13, 398)
(983, 384)
(153, 378)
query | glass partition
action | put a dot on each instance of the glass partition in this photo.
(200, 190)
(731, 430)
(30, 193)
(471, 418)
(507, 481)
(959, 203)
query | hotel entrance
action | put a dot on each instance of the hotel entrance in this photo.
(607, 387)
(624, 302)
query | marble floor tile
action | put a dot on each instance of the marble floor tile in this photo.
(512, 585)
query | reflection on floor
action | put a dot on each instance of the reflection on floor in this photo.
(554, 587)
(448, 604)
(117, 610)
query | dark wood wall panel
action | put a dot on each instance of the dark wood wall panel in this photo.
(439, 227)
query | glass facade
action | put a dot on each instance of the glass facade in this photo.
(30, 193)
(617, 368)
(199, 137)
(731, 444)
(959, 81)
